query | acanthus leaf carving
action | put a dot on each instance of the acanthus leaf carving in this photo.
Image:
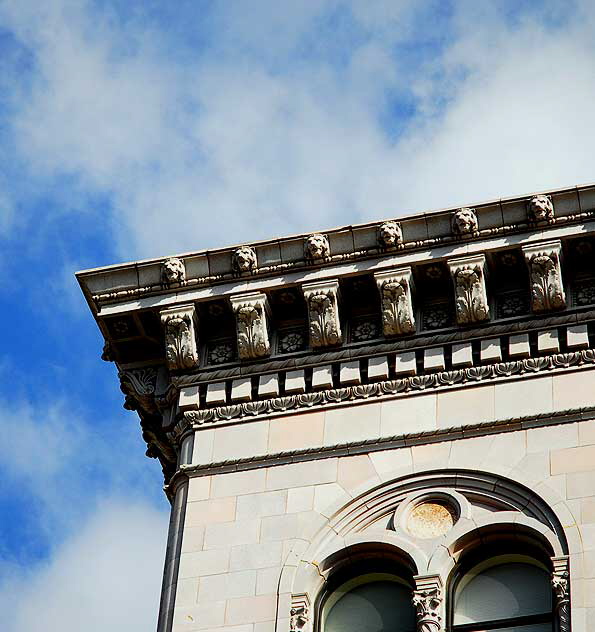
(243, 260)
(427, 601)
(471, 301)
(464, 223)
(316, 248)
(323, 313)
(395, 287)
(179, 324)
(250, 312)
(545, 272)
(541, 209)
(561, 587)
(390, 235)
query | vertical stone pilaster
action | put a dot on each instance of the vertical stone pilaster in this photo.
(545, 276)
(561, 586)
(180, 324)
(322, 300)
(471, 298)
(428, 601)
(396, 288)
(250, 311)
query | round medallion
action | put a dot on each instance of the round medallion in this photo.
(430, 519)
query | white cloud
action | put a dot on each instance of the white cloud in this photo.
(106, 577)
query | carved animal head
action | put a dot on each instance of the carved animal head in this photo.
(173, 271)
(244, 260)
(464, 222)
(390, 235)
(541, 209)
(316, 247)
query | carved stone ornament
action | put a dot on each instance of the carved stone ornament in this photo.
(173, 271)
(299, 613)
(316, 248)
(561, 586)
(395, 287)
(323, 313)
(251, 325)
(390, 235)
(179, 324)
(464, 223)
(541, 209)
(471, 300)
(243, 259)
(545, 275)
(427, 601)
(107, 354)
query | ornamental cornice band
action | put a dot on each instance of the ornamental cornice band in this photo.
(323, 313)
(471, 298)
(250, 312)
(179, 325)
(545, 272)
(395, 287)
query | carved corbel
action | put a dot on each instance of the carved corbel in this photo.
(322, 300)
(396, 288)
(545, 275)
(299, 614)
(250, 311)
(561, 586)
(428, 603)
(471, 299)
(179, 324)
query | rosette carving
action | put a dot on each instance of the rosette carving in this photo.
(464, 223)
(545, 272)
(390, 235)
(173, 271)
(316, 248)
(323, 313)
(427, 601)
(471, 301)
(541, 209)
(243, 259)
(179, 324)
(251, 325)
(395, 287)
(561, 586)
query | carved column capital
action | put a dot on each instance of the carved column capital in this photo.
(250, 311)
(471, 298)
(545, 275)
(179, 325)
(299, 613)
(322, 300)
(396, 288)
(561, 586)
(428, 601)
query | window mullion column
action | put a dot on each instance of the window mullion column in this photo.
(428, 600)
(561, 586)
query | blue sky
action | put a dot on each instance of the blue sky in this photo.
(143, 128)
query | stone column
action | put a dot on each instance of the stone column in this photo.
(428, 600)
(471, 297)
(396, 287)
(250, 311)
(561, 586)
(322, 301)
(545, 276)
(179, 324)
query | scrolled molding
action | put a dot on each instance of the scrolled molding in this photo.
(540, 210)
(561, 587)
(545, 272)
(396, 287)
(316, 248)
(250, 311)
(464, 223)
(243, 260)
(322, 300)
(428, 600)
(471, 300)
(390, 235)
(179, 324)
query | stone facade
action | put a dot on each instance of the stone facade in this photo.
(360, 396)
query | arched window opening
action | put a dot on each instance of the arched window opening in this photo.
(506, 593)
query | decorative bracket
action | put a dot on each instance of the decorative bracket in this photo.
(250, 311)
(545, 272)
(561, 586)
(322, 300)
(179, 324)
(428, 603)
(395, 287)
(299, 614)
(471, 299)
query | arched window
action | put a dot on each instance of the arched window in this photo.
(504, 594)
(373, 602)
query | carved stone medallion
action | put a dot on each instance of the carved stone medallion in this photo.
(316, 248)
(471, 301)
(179, 324)
(545, 272)
(243, 260)
(323, 313)
(251, 325)
(395, 295)
(464, 223)
(390, 235)
(430, 519)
